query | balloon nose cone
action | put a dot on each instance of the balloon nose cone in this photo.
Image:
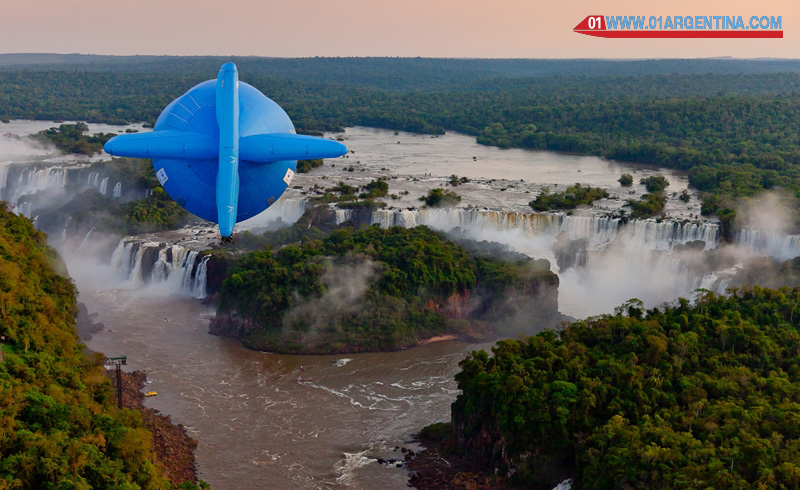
(228, 67)
(108, 147)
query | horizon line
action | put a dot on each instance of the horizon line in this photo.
(465, 58)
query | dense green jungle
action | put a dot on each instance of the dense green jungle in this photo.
(686, 395)
(59, 424)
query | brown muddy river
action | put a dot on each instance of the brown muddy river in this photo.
(257, 426)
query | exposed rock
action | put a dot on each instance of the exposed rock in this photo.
(174, 449)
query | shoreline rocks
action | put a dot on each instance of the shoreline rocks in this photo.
(174, 449)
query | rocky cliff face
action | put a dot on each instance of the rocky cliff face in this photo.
(523, 308)
(216, 270)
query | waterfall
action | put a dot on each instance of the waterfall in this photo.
(285, 211)
(25, 209)
(776, 245)
(85, 239)
(64, 232)
(343, 215)
(187, 281)
(599, 231)
(33, 179)
(101, 184)
(290, 210)
(3, 177)
(93, 178)
(718, 281)
(665, 234)
(564, 485)
(201, 276)
(123, 257)
(175, 267)
(116, 255)
(136, 265)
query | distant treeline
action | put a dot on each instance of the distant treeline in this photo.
(732, 124)
(392, 73)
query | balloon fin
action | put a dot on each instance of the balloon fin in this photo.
(163, 144)
(273, 147)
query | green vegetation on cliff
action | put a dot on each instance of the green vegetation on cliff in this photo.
(59, 427)
(648, 205)
(71, 138)
(687, 396)
(154, 213)
(440, 198)
(655, 183)
(90, 209)
(305, 166)
(574, 196)
(375, 289)
(625, 180)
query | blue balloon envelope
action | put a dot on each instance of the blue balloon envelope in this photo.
(223, 150)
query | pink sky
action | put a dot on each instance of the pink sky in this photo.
(429, 28)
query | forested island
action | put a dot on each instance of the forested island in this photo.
(60, 427)
(378, 289)
(703, 395)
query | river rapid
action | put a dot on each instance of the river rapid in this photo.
(257, 425)
(274, 421)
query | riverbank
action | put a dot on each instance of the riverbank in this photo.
(173, 447)
(440, 467)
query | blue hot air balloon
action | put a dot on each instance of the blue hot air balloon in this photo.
(223, 150)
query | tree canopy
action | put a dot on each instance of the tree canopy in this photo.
(683, 396)
(59, 426)
(371, 289)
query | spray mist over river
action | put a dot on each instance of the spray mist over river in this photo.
(257, 426)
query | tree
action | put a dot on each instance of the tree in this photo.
(440, 198)
(655, 183)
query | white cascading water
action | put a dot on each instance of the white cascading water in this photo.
(117, 190)
(343, 215)
(94, 179)
(664, 235)
(103, 186)
(286, 210)
(564, 485)
(776, 245)
(64, 232)
(599, 231)
(186, 270)
(26, 209)
(642, 263)
(176, 266)
(3, 177)
(85, 240)
(34, 179)
(201, 277)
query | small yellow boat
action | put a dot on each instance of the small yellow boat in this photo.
(151, 393)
